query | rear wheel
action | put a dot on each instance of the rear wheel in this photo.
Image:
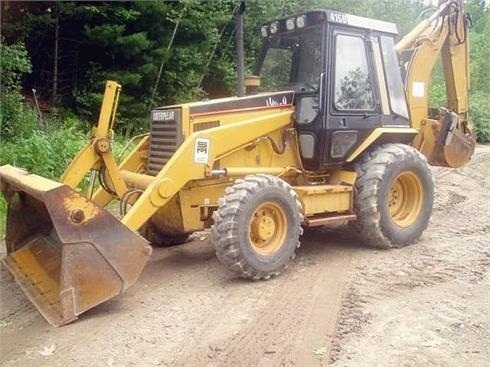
(394, 196)
(257, 226)
(158, 238)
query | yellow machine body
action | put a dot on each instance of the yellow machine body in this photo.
(69, 254)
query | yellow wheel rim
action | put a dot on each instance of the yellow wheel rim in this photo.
(267, 228)
(405, 199)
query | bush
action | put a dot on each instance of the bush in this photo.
(480, 116)
(44, 153)
(15, 119)
(15, 62)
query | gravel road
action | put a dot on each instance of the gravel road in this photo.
(339, 303)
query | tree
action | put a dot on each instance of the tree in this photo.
(15, 64)
(191, 41)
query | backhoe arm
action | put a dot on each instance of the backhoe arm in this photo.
(446, 137)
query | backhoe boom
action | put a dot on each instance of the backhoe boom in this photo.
(446, 138)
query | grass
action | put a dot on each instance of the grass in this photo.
(46, 154)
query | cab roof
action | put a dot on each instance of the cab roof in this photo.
(317, 16)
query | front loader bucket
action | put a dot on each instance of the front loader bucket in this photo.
(66, 253)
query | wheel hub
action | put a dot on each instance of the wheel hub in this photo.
(405, 199)
(395, 198)
(267, 228)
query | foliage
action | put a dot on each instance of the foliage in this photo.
(480, 77)
(130, 41)
(480, 115)
(45, 152)
(14, 63)
(15, 119)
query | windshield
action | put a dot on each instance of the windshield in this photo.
(292, 61)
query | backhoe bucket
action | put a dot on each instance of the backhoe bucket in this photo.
(453, 147)
(454, 153)
(66, 253)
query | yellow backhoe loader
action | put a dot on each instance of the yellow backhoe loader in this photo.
(337, 128)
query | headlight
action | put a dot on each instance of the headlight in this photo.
(290, 24)
(263, 30)
(300, 21)
(274, 27)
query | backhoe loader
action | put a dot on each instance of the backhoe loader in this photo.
(335, 128)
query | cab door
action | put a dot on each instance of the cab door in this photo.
(353, 110)
(334, 121)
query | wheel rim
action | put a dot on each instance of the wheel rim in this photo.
(405, 199)
(267, 228)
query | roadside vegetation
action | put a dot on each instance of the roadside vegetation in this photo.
(56, 56)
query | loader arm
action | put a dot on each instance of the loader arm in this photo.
(96, 155)
(183, 167)
(446, 138)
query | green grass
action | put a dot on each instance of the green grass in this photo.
(47, 154)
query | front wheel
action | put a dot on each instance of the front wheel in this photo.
(393, 197)
(257, 226)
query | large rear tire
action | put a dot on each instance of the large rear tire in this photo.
(394, 194)
(257, 226)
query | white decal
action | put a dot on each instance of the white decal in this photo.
(163, 115)
(273, 102)
(201, 151)
(338, 18)
(418, 89)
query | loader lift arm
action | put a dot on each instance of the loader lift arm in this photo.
(182, 167)
(96, 154)
(446, 138)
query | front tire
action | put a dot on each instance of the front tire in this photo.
(394, 196)
(257, 226)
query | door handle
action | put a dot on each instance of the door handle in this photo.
(322, 97)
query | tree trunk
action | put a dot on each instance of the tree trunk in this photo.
(54, 96)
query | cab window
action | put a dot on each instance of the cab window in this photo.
(353, 88)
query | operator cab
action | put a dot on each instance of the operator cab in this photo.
(345, 73)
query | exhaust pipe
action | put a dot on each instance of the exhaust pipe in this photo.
(240, 59)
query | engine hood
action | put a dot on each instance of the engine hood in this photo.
(233, 104)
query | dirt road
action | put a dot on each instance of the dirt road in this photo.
(338, 303)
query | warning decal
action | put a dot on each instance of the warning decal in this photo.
(201, 151)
